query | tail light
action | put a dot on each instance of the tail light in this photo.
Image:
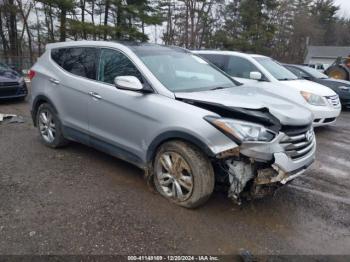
(31, 74)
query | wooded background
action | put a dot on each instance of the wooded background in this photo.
(278, 28)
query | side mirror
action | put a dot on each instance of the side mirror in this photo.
(131, 83)
(255, 76)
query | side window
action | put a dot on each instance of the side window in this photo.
(297, 72)
(219, 60)
(57, 55)
(240, 67)
(80, 61)
(113, 64)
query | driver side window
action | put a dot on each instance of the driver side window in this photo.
(240, 67)
(113, 64)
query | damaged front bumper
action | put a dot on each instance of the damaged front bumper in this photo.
(287, 153)
(264, 166)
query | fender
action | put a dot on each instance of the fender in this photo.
(170, 135)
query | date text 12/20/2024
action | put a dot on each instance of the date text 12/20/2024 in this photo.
(174, 258)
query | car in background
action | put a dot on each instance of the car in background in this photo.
(171, 113)
(341, 87)
(12, 84)
(319, 67)
(323, 102)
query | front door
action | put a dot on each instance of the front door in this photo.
(118, 117)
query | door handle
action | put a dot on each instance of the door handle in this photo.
(54, 81)
(95, 95)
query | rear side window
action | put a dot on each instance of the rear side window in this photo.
(80, 61)
(219, 60)
(113, 64)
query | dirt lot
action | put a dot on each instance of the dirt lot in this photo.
(80, 201)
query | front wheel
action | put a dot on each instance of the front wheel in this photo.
(183, 174)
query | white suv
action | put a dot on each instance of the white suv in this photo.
(321, 100)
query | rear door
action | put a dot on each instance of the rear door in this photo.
(70, 87)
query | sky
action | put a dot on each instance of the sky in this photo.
(344, 8)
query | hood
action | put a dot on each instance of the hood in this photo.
(278, 89)
(9, 76)
(250, 99)
(308, 86)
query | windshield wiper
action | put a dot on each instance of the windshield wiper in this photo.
(218, 88)
(286, 79)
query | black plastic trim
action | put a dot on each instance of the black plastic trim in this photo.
(173, 135)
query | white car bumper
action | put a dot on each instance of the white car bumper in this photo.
(325, 115)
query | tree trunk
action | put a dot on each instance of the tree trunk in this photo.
(12, 26)
(5, 45)
(38, 30)
(106, 18)
(93, 18)
(82, 7)
(186, 27)
(26, 27)
(63, 17)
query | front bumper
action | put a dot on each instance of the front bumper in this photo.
(18, 91)
(325, 115)
(283, 167)
(345, 102)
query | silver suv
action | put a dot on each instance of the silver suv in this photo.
(186, 123)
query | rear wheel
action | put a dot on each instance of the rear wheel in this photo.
(49, 127)
(183, 174)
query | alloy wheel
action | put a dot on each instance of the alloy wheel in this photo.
(174, 176)
(47, 126)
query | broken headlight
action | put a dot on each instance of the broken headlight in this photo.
(241, 131)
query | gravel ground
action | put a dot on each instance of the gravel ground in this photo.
(77, 200)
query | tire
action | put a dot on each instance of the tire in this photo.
(189, 169)
(56, 139)
(338, 72)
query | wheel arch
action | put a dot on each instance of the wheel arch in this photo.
(39, 100)
(176, 135)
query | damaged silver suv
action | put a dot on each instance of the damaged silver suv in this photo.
(183, 121)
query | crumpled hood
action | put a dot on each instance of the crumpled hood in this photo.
(308, 86)
(246, 97)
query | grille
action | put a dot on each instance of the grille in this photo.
(9, 83)
(299, 144)
(8, 91)
(333, 100)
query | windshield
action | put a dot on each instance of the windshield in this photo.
(180, 71)
(314, 73)
(275, 69)
(3, 66)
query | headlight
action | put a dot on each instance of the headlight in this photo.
(344, 88)
(21, 81)
(241, 131)
(313, 99)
